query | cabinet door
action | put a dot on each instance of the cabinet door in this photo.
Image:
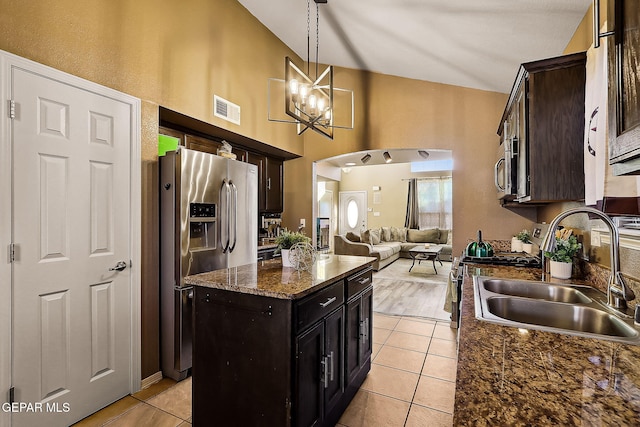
(366, 345)
(201, 144)
(260, 161)
(352, 337)
(333, 372)
(624, 84)
(309, 387)
(521, 145)
(274, 185)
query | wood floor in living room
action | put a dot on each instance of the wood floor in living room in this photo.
(411, 382)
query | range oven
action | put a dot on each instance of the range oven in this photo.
(515, 259)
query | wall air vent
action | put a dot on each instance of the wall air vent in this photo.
(226, 110)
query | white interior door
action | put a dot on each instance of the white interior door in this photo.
(353, 211)
(71, 317)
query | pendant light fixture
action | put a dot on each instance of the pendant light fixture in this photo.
(310, 101)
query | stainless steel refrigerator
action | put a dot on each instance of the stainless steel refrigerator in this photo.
(208, 221)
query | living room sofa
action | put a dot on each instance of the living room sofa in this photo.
(387, 244)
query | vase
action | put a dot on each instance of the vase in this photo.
(561, 270)
(527, 247)
(516, 245)
(285, 258)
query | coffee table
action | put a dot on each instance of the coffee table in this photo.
(420, 253)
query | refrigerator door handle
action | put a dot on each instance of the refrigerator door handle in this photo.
(234, 215)
(224, 222)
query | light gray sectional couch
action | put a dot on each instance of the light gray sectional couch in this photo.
(387, 244)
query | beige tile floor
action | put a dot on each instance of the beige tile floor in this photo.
(411, 383)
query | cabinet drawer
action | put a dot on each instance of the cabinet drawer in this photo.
(359, 282)
(314, 307)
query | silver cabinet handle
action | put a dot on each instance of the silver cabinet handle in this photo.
(326, 303)
(325, 373)
(121, 265)
(331, 366)
(364, 330)
(268, 183)
(363, 280)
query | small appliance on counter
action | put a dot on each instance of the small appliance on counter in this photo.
(270, 225)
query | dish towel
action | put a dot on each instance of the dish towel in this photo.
(599, 181)
(452, 292)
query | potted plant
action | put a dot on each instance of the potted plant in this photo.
(561, 259)
(519, 240)
(285, 240)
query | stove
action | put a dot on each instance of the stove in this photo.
(516, 259)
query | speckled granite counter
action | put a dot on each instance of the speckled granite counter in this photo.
(512, 377)
(270, 279)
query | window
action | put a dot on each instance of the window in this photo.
(434, 203)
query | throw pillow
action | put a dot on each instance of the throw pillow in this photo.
(375, 236)
(424, 236)
(398, 234)
(365, 236)
(385, 234)
(444, 237)
(352, 237)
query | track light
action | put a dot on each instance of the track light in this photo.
(423, 154)
(387, 157)
(365, 158)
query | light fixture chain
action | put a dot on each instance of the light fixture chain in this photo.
(308, 37)
(317, 37)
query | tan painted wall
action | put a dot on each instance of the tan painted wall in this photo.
(391, 179)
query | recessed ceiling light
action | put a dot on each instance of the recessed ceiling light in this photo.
(423, 154)
(350, 164)
(387, 157)
(365, 158)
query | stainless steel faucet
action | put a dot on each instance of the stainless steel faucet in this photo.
(618, 293)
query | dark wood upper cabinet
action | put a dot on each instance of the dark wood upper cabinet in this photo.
(201, 144)
(546, 110)
(624, 84)
(274, 184)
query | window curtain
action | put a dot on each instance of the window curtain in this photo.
(429, 204)
(434, 203)
(411, 218)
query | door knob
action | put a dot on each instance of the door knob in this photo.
(121, 265)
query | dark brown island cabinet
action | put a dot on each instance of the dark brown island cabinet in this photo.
(275, 347)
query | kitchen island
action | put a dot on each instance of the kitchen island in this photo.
(510, 376)
(276, 346)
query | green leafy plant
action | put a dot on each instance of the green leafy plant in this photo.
(287, 238)
(524, 236)
(567, 247)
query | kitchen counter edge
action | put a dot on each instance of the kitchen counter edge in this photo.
(270, 279)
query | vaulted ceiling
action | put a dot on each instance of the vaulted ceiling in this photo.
(470, 43)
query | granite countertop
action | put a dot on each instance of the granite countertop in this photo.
(269, 278)
(510, 376)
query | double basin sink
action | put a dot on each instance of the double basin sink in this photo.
(570, 309)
